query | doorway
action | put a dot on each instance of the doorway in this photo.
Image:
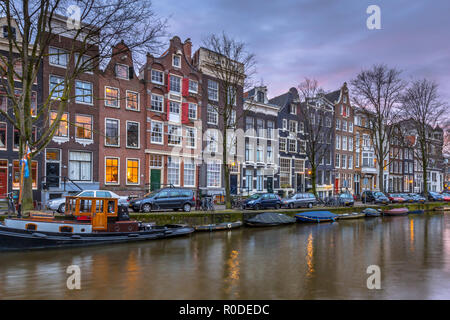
(155, 179)
(3, 178)
(233, 183)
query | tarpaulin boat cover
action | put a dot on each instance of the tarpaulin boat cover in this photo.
(317, 215)
(271, 218)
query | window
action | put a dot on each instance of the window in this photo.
(283, 144)
(112, 137)
(350, 127)
(63, 128)
(85, 63)
(213, 90)
(193, 86)
(174, 111)
(284, 124)
(122, 71)
(132, 171)
(83, 127)
(293, 109)
(156, 132)
(249, 179)
(3, 102)
(192, 111)
(132, 134)
(344, 161)
(176, 61)
(175, 84)
(189, 172)
(6, 33)
(80, 165)
(293, 126)
(259, 180)
(269, 154)
(344, 142)
(260, 128)
(83, 92)
(259, 154)
(132, 100)
(155, 161)
(270, 127)
(285, 173)
(157, 103)
(58, 57)
(302, 146)
(249, 126)
(344, 125)
(292, 145)
(16, 139)
(350, 143)
(112, 170)
(213, 174)
(338, 142)
(337, 162)
(190, 137)
(212, 140)
(338, 124)
(16, 174)
(173, 171)
(3, 136)
(212, 116)
(174, 135)
(157, 77)
(33, 103)
(260, 96)
(56, 87)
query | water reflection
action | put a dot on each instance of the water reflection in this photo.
(312, 261)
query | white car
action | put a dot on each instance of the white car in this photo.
(59, 204)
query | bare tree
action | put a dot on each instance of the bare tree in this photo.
(377, 93)
(423, 110)
(233, 66)
(95, 27)
(316, 114)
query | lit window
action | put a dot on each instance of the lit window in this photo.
(122, 71)
(112, 170)
(112, 97)
(16, 174)
(132, 171)
(83, 125)
(63, 127)
(132, 100)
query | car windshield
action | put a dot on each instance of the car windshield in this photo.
(293, 196)
(150, 194)
(254, 196)
(345, 195)
(378, 194)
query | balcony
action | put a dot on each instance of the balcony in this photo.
(369, 169)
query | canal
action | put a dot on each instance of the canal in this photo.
(302, 261)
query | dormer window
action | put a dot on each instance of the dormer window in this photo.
(5, 32)
(176, 61)
(260, 97)
(122, 71)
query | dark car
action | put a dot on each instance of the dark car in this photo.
(346, 199)
(434, 196)
(300, 200)
(259, 201)
(374, 197)
(166, 198)
(407, 196)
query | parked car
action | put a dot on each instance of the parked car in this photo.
(396, 198)
(407, 196)
(259, 201)
(59, 204)
(300, 200)
(346, 199)
(434, 196)
(166, 198)
(418, 198)
(374, 197)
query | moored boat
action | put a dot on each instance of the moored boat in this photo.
(316, 216)
(219, 226)
(416, 211)
(106, 226)
(442, 208)
(370, 212)
(269, 219)
(352, 215)
(396, 212)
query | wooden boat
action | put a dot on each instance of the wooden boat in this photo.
(396, 212)
(106, 226)
(370, 212)
(416, 212)
(352, 215)
(219, 226)
(269, 219)
(316, 216)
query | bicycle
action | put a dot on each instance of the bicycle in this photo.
(207, 204)
(236, 202)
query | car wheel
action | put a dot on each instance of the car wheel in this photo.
(257, 207)
(62, 208)
(147, 208)
(277, 206)
(310, 205)
(187, 207)
(291, 206)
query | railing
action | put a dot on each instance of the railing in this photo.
(64, 178)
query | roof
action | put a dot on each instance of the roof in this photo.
(333, 96)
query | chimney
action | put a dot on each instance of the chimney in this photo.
(187, 48)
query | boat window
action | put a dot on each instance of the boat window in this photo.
(99, 205)
(65, 229)
(31, 227)
(111, 206)
(85, 205)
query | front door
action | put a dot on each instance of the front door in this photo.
(299, 183)
(269, 184)
(3, 182)
(233, 183)
(155, 179)
(52, 179)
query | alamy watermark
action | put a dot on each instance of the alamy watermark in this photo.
(374, 280)
(374, 20)
(74, 280)
(73, 17)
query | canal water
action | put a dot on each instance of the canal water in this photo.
(301, 261)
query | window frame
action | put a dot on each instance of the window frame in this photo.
(118, 170)
(118, 133)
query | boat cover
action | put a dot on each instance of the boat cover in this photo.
(271, 218)
(317, 215)
(370, 211)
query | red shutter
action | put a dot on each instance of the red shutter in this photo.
(344, 110)
(184, 112)
(185, 87)
(168, 83)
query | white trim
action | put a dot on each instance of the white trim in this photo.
(162, 132)
(139, 134)
(118, 97)
(50, 55)
(128, 71)
(139, 172)
(173, 56)
(154, 82)
(92, 93)
(138, 101)
(118, 133)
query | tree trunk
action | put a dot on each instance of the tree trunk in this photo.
(226, 170)
(425, 184)
(381, 176)
(313, 180)
(27, 191)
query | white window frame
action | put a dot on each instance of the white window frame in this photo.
(58, 54)
(162, 76)
(118, 132)
(173, 60)
(139, 134)
(118, 171)
(162, 102)
(92, 93)
(118, 98)
(162, 132)
(188, 137)
(215, 91)
(123, 65)
(138, 101)
(139, 172)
